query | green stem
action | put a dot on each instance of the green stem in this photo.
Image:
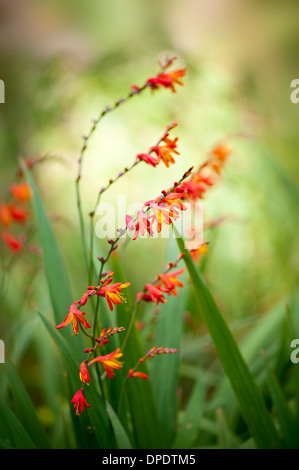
(105, 188)
(131, 324)
(82, 227)
(81, 157)
(94, 323)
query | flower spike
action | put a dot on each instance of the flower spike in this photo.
(151, 353)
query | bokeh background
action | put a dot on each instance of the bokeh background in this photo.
(63, 62)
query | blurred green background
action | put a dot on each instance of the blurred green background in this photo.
(63, 62)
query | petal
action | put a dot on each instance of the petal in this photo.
(66, 321)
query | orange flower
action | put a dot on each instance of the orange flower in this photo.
(112, 292)
(197, 252)
(21, 191)
(110, 362)
(196, 186)
(84, 375)
(170, 281)
(164, 213)
(74, 316)
(139, 374)
(164, 152)
(167, 80)
(175, 199)
(79, 401)
(14, 243)
(5, 215)
(206, 176)
(222, 151)
(219, 157)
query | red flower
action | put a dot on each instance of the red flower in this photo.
(74, 316)
(154, 294)
(91, 291)
(196, 186)
(167, 80)
(84, 375)
(139, 325)
(148, 158)
(18, 214)
(110, 362)
(14, 243)
(79, 402)
(21, 191)
(141, 375)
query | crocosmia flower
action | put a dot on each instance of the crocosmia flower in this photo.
(112, 292)
(143, 224)
(5, 215)
(164, 214)
(170, 281)
(165, 152)
(21, 191)
(18, 214)
(139, 374)
(167, 80)
(148, 158)
(197, 252)
(130, 222)
(222, 151)
(74, 316)
(13, 242)
(110, 362)
(91, 291)
(84, 375)
(151, 294)
(79, 402)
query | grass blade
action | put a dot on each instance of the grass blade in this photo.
(57, 280)
(164, 370)
(12, 431)
(122, 439)
(96, 416)
(139, 392)
(287, 423)
(246, 391)
(189, 425)
(25, 409)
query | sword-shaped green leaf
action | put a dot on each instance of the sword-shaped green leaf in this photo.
(250, 400)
